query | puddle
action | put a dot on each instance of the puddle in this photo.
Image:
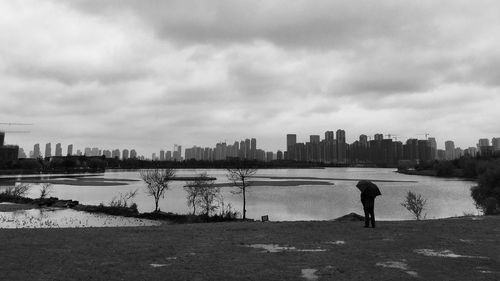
(401, 265)
(158, 264)
(444, 254)
(275, 248)
(340, 242)
(66, 218)
(309, 274)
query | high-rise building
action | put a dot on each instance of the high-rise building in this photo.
(2, 138)
(449, 148)
(495, 142)
(433, 148)
(48, 150)
(21, 153)
(88, 151)
(133, 154)
(253, 148)
(125, 154)
(58, 149)
(70, 150)
(483, 142)
(291, 141)
(341, 146)
(162, 155)
(329, 136)
(36, 151)
(279, 155)
(314, 138)
(378, 137)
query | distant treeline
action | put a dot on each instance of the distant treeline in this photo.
(484, 170)
(464, 167)
(75, 164)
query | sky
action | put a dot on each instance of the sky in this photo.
(149, 74)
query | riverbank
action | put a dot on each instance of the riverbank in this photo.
(447, 249)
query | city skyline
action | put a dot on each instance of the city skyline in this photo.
(152, 74)
(252, 149)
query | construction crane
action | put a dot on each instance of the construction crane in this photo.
(424, 134)
(392, 136)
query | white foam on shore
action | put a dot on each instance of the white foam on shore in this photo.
(275, 248)
(401, 265)
(444, 254)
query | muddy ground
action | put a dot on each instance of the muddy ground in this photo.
(447, 249)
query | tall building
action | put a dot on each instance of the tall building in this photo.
(253, 148)
(70, 150)
(449, 148)
(495, 142)
(314, 138)
(88, 151)
(291, 141)
(48, 150)
(2, 138)
(378, 137)
(58, 149)
(133, 154)
(341, 146)
(162, 155)
(433, 148)
(125, 154)
(36, 151)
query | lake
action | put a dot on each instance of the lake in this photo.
(445, 197)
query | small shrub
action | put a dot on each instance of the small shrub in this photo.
(415, 203)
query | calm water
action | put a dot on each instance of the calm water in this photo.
(445, 197)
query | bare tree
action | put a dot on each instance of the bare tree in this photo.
(20, 190)
(203, 192)
(45, 190)
(239, 178)
(123, 199)
(157, 181)
(415, 203)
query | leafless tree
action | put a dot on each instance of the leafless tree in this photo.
(123, 199)
(157, 181)
(45, 190)
(20, 190)
(203, 192)
(239, 177)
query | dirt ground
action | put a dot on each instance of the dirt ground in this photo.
(448, 249)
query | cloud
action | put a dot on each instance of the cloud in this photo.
(154, 73)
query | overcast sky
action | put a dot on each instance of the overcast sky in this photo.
(153, 73)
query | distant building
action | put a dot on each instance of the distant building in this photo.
(48, 150)
(449, 148)
(7, 152)
(36, 151)
(70, 150)
(133, 154)
(291, 141)
(341, 146)
(495, 143)
(162, 155)
(279, 155)
(125, 154)
(58, 149)
(433, 148)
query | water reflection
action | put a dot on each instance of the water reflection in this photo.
(65, 218)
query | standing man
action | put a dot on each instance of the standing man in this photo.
(369, 191)
(368, 206)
